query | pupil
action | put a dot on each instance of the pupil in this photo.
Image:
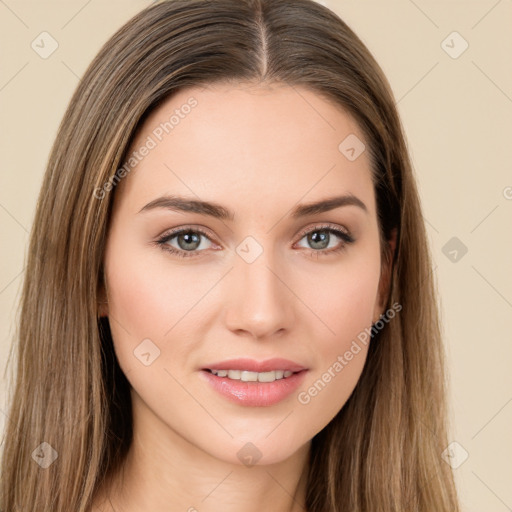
(190, 238)
(321, 239)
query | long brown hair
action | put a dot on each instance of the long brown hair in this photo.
(382, 452)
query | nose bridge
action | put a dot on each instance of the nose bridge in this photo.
(260, 302)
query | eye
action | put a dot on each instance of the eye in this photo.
(184, 242)
(188, 242)
(322, 239)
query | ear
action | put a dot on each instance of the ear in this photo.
(102, 297)
(385, 276)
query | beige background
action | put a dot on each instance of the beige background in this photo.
(457, 114)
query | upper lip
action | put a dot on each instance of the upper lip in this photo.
(256, 366)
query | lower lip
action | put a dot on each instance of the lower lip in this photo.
(255, 394)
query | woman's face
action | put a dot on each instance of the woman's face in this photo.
(255, 276)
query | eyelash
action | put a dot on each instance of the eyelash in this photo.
(344, 236)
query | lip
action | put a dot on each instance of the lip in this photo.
(254, 394)
(252, 365)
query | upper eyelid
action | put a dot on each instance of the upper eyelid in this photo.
(320, 226)
(177, 231)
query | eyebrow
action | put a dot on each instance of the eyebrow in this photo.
(218, 211)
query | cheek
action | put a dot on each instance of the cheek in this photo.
(150, 291)
(344, 298)
(153, 316)
(344, 306)
(149, 300)
(352, 301)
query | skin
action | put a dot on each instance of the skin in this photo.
(259, 151)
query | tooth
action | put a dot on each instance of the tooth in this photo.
(248, 376)
(267, 376)
(234, 374)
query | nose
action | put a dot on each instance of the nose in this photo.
(260, 302)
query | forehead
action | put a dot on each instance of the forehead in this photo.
(245, 141)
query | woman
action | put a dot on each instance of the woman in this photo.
(229, 301)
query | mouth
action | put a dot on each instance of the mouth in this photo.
(248, 376)
(250, 370)
(251, 383)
